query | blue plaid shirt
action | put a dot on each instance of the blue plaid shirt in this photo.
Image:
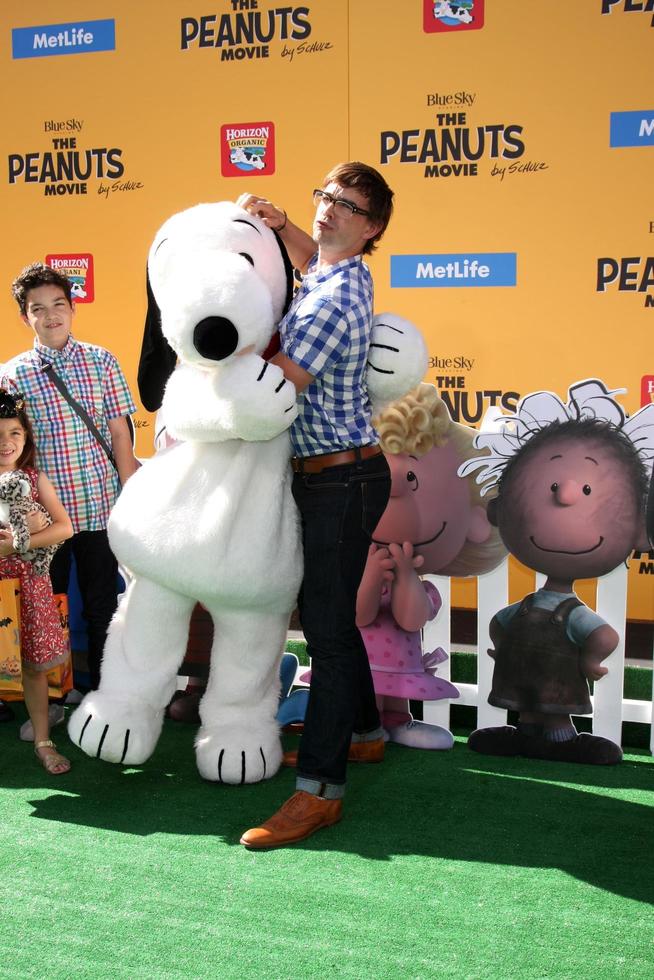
(327, 332)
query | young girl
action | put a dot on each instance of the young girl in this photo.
(43, 644)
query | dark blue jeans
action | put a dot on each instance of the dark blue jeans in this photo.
(340, 508)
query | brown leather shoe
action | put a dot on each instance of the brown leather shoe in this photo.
(297, 819)
(359, 752)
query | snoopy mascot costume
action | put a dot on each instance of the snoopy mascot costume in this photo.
(212, 518)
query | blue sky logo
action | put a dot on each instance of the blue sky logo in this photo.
(78, 38)
(464, 269)
(632, 128)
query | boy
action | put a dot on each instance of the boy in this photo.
(570, 505)
(85, 479)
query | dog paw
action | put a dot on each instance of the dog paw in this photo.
(227, 755)
(115, 731)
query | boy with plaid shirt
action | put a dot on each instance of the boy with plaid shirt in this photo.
(86, 481)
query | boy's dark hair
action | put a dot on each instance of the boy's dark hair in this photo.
(601, 431)
(35, 275)
(12, 406)
(370, 182)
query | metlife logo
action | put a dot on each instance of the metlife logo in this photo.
(467, 269)
(632, 128)
(81, 37)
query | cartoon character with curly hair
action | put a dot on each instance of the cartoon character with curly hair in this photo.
(435, 522)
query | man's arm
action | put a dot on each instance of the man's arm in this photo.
(299, 245)
(121, 446)
(292, 371)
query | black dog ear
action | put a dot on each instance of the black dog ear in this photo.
(491, 511)
(158, 359)
(288, 269)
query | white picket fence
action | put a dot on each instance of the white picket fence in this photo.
(610, 708)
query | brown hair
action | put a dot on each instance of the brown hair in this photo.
(35, 275)
(369, 182)
(13, 407)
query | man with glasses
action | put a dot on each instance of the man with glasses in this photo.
(341, 484)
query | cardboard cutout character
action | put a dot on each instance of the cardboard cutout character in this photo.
(572, 481)
(434, 522)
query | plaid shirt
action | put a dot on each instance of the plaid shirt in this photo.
(327, 332)
(86, 482)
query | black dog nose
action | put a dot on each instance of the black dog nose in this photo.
(215, 337)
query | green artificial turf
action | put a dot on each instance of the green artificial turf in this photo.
(446, 865)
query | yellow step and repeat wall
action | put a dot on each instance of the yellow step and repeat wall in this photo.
(517, 136)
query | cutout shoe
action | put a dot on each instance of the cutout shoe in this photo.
(503, 740)
(591, 750)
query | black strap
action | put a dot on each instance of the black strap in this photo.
(59, 384)
(562, 612)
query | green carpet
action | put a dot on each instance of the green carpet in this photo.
(446, 865)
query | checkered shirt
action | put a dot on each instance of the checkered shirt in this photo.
(327, 332)
(86, 482)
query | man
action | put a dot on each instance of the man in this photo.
(86, 481)
(341, 483)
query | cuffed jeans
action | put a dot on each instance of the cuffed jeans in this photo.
(339, 508)
(97, 573)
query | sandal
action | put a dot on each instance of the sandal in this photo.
(52, 761)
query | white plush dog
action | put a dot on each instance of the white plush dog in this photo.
(212, 518)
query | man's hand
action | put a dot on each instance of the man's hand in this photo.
(271, 216)
(299, 245)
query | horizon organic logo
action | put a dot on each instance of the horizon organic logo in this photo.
(78, 267)
(439, 16)
(646, 390)
(247, 149)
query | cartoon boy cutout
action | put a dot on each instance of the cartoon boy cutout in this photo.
(572, 481)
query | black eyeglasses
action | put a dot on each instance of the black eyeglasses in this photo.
(341, 204)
